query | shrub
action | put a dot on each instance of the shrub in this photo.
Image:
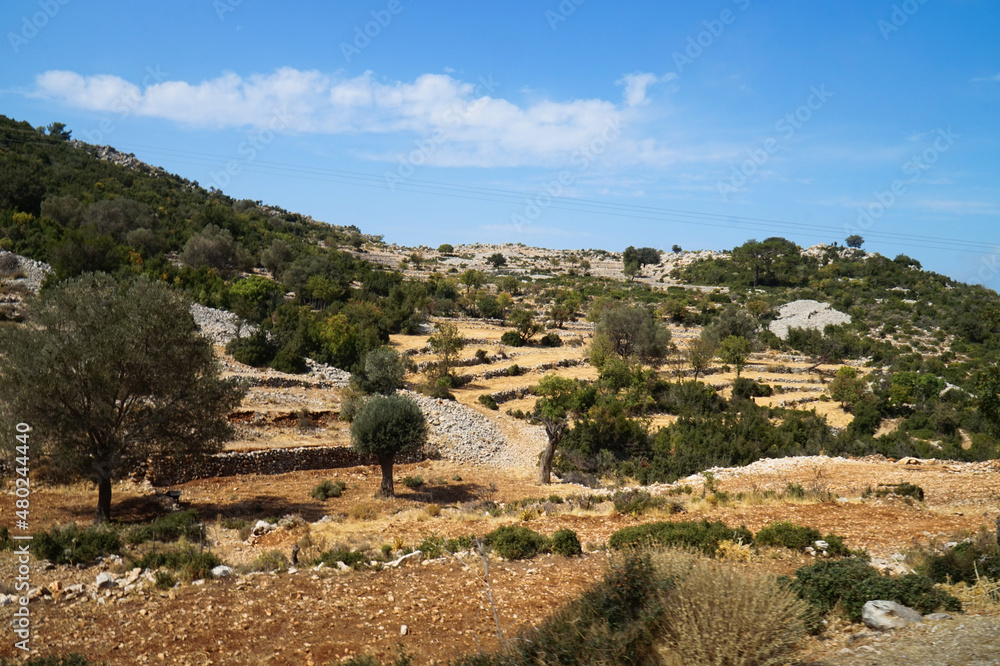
(170, 527)
(747, 388)
(413, 481)
(481, 355)
(566, 543)
(363, 511)
(965, 563)
(352, 401)
(900, 489)
(551, 340)
(787, 535)
(719, 615)
(328, 489)
(702, 535)
(192, 564)
(851, 582)
(271, 560)
(516, 371)
(514, 542)
(71, 545)
(164, 580)
(351, 558)
(486, 400)
(635, 502)
(255, 350)
(511, 339)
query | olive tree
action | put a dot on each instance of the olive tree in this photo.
(735, 350)
(630, 333)
(108, 373)
(386, 426)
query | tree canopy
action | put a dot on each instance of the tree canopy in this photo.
(386, 426)
(630, 333)
(108, 373)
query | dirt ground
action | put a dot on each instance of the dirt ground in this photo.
(324, 615)
(318, 616)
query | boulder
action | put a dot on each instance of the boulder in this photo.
(105, 579)
(263, 527)
(222, 571)
(883, 615)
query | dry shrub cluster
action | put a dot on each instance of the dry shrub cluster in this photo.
(720, 615)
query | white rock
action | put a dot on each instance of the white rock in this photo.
(883, 615)
(262, 527)
(403, 630)
(821, 545)
(415, 556)
(105, 579)
(222, 571)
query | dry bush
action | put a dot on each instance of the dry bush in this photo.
(363, 511)
(432, 510)
(718, 615)
(983, 597)
(735, 552)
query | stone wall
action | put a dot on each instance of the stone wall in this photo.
(168, 471)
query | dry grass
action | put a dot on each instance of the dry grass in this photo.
(721, 615)
(983, 597)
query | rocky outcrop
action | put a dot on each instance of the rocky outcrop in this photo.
(806, 314)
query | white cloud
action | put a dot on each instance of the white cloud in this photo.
(471, 125)
(636, 85)
(994, 78)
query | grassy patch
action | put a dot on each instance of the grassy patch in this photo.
(71, 545)
(702, 535)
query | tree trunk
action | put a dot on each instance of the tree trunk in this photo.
(103, 513)
(386, 489)
(555, 431)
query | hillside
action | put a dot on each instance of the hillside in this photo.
(731, 396)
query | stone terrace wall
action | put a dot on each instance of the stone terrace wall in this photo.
(168, 471)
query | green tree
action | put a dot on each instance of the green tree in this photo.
(735, 350)
(276, 257)
(255, 297)
(988, 398)
(472, 279)
(699, 354)
(387, 426)
(382, 372)
(676, 249)
(496, 260)
(447, 343)
(855, 241)
(557, 397)
(524, 323)
(848, 388)
(108, 373)
(446, 248)
(630, 333)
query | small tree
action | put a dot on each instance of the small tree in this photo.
(677, 249)
(472, 279)
(447, 343)
(848, 388)
(497, 260)
(385, 427)
(630, 332)
(108, 373)
(382, 373)
(735, 350)
(524, 323)
(556, 399)
(700, 353)
(446, 248)
(855, 241)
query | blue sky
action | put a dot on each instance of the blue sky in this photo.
(573, 124)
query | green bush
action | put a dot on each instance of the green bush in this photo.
(164, 580)
(328, 489)
(852, 582)
(255, 350)
(787, 535)
(514, 542)
(565, 542)
(692, 534)
(170, 527)
(6, 543)
(551, 340)
(486, 400)
(271, 560)
(349, 557)
(636, 502)
(965, 563)
(900, 489)
(190, 563)
(747, 388)
(71, 545)
(515, 371)
(511, 339)
(616, 621)
(413, 481)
